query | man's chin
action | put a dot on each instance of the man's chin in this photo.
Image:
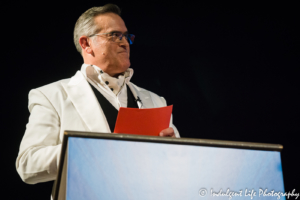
(125, 65)
(122, 68)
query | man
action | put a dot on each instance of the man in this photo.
(90, 100)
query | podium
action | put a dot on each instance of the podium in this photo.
(123, 166)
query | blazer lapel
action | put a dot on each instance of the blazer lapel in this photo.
(85, 102)
(143, 95)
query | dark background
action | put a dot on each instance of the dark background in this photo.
(230, 70)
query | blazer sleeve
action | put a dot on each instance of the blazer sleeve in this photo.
(39, 152)
(160, 102)
(171, 121)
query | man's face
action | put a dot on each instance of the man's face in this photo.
(112, 57)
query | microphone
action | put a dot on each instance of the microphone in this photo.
(138, 99)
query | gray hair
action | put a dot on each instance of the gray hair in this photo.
(85, 24)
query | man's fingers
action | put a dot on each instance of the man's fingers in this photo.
(168, 132)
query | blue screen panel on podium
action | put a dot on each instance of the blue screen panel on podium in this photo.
(117, 169)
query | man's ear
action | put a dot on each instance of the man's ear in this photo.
(84, 42)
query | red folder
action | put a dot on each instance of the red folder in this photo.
(147, 121)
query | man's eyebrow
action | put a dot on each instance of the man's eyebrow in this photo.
(115, 31)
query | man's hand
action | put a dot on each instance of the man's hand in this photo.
(168, 132)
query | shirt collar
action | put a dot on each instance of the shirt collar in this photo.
(97, 75)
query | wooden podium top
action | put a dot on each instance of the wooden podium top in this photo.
(189, 141)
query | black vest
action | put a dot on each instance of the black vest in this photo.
(109, 110)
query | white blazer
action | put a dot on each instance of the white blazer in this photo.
(69, 104)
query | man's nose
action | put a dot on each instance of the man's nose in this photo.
(124, 42)
(123, 39)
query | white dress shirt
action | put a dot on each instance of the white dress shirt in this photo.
(113, 89)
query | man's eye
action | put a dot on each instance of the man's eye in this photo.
(115, 34)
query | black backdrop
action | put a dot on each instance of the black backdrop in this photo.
(230, 70)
